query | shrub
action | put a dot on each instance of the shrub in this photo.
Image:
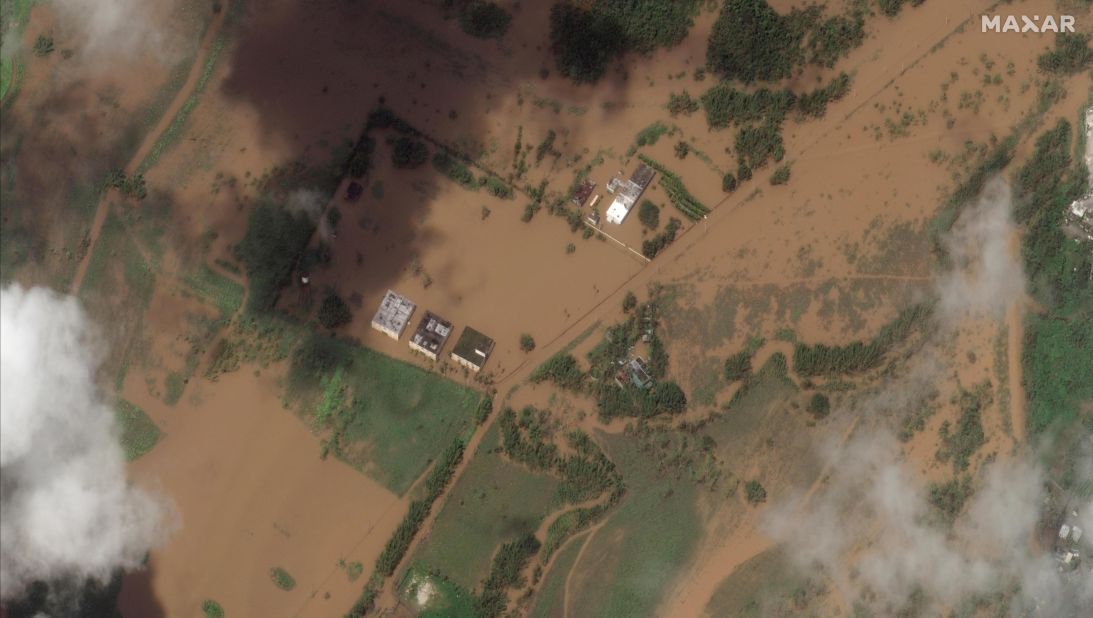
(334, 311)
(274, 241)
(682, 150)
(834, 37)
(668, 397)
(562, 369)
(506, 572)
(651, 247)
(43, 45)
(527, 343)
(738, 366)
(728, 183)
(314, 359)
(1071, 54)
(212, 609)
(681, 103)
(677, 193)
(755, 146)
(282, 579)
(409, 153)
(499, 188)
(755, 492)
(814, 104)
(725, 105)
(819, 405)
(484, 20)
(743, 172)
(949, 497)
(751, 42)
(650, 134)
(361, 159)
(629, 302)
(649, 214)
(780, 175)
(447, 164)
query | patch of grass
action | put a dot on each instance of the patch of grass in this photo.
(138, 433)
(677, 193)
(219, 291)
(447, 599)
(551, 595)
(116, 247)
(212, 609)
(282, 579)
(1071, 54)
(858, 356)
(273, 244)
(173, 387)
(766, 585)
(960, 443)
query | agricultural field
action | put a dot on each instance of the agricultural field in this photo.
(849, 299)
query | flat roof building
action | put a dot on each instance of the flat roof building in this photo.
(430, 335)
(628, 192)
(393, 315)
(472, 349)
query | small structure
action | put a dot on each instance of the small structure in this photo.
(1075, 534)
(593, 217)
(628, 192)
(1064, 531)
(472, 349)
(393, 314)
(595, 200)
(635, 372)
(583, 191)
(430, 335)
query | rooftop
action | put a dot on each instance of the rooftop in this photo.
(432, 331)
(393, 314)
(473, 347)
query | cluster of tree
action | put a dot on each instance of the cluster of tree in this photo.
(1071, 54)
(563, 370)
(858, 356)
(819, 405)
(650, 247)
(628, 400)
(537, 451)
(756, 145)
(314, 359)
(451, 166)
(814, 104)
(435, 483)
(728, 183)
(725, 105)
(527, 342)
(948, 498)
(587, 37)
(754, 492)
(506, 573)
(546, 147)
(484, 409)
(960, 444)
(497, 187)
(649, 215)
(409, 153)
(130, 186)
(269, 251)
(677, 192)
(360, 159)
(780, 175)
(681, 103)
(482, 19)
(334, 311)
(1058, 353)
(892, 8)
(43, 45)
(833, 37)
(738, 366)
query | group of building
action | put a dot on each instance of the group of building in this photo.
(472, 348)
(626, 192)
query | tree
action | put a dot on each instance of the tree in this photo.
(484, 20)
(780, 175)
(649, 214)
(728, 183)
(43, 46)
(667, 397)
(334, 311)
(755, 493)
(738, 366)
(527, 343)
(819, 405)
(629, 302)
(751, 42)
(409, 153)
(682, 150)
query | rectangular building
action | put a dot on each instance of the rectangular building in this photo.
(628, 192)
(393, 315)
(472, 349)
(430, 335)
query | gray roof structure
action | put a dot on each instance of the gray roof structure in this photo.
(393, 314)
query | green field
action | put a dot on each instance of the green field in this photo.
(551, 594)
(138, 433)
(401, 417)
(448, 600)
(216, 290)
(766, 585)
(653, 532)
(494, 502)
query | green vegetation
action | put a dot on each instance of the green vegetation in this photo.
(483, 19)
(649, 215)
(43, 45)
(274, 241)
(498, 188)
(754, 492)
(451, 166)
(586, 38)
(858, 356)
(738, 366)
(132, 186)
(770, 584)
(282, 579)
(334, 311)
(751, 42)
(138, 433)
(1071, 54)
(757, 145)
(891, 8)
(1058, 351)
(216, 289)
(681, 103)
(652, 246)
(212, 609)
(948, 498)
(527, 343)
(959, 445)
(629, 302)
(725, 105)
(819, 405)
(780, 175)
(728, 183)
(677, 193)
(546, 146)
(507, 572)
(409, 153)
(814, 104)
(833, 37)
(650, 134)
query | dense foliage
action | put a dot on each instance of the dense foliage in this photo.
(274, 241)
(738, 366)
(819, 405)
(857, 356)
(527, 342)
(959, 444)
(452, 167)
(681, 103)
(409, 153)
(506, 572)
(754, 492)
(780, 175)
(677, 193)
(484, 20)
(1071, 54)
(650, 247)
(649, 214)
(334, 311)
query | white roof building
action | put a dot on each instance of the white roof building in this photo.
(393, 315)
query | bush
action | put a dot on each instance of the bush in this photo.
(447, 164)
(682, 150)
(282, 579)
(681, 103)
(728, 183)
(562, 369)
(751, 42)
(499, 188)
(738, 366)
(819, 405)
(949, 497)
(212, 609)
(755, 146)
(314, 359)
(629, 302)
(527, 343)
(780, 175)
(725, 106)
(409, 153)
(273, 243)
(834, 37)
(334, 311)
(649, 214)
(677, 193)
(814, 104)
(506, 572)
(1071, 54)
(651, 247)
(484, 20)
(43, 45)
(361, 159)
(755, 492)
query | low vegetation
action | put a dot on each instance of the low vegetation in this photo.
(652, 246)
(212, 609)
(408, 153)
(960, 443)
(858, 356)
(452, 167)
(282, 579)
(506, 573)
(138, 432)
(677, 193)
(483, 19)
(755, 493)
(527, 343)
(273, 243)
(819, 405)
(334, 311)
(1071, 54)
(682, 103)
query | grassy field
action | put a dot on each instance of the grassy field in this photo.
(216, 290)
(622, 573)
(138, 433)
(115, 246)
(766, 585)
(551, 594)
(494, 502)
(402, 417)
(448, 600)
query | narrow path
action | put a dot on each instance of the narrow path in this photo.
(147, 144)
(569, 576)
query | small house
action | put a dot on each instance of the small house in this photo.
(393, 314)
(472, 349)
